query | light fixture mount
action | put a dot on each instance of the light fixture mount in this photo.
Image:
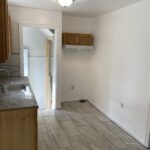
(65, 3)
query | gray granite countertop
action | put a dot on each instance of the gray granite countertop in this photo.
(17, 99)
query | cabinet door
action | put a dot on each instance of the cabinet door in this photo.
(6, 32)
(70, 39)
(18, 129)
(85, 39)
(2, 30)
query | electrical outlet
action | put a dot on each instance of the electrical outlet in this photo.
(72, 87)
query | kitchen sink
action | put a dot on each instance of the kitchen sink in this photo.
(2, 90)
(12, 88)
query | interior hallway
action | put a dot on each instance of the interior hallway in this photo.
(80, 126)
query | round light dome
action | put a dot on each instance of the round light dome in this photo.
(65, 3)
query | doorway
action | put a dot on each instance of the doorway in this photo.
(38, 65)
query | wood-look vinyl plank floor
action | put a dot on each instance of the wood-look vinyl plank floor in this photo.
(78, 119)
(79, 143)
(60, 138)
(80, 126)
(70, 128)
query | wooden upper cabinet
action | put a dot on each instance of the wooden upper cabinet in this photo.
(85, 39)
(77, 39)
(4, 31)
(70, 39)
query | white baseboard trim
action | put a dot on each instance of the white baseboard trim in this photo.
(71, 99)
(122, 126)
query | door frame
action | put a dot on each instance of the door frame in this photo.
(48, 68)
(147, 137)
(56, 83)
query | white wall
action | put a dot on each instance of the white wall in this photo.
(21, 15)
(76, 64)
(36, 42)
(44, 18)
(76, 24)
(121, 67)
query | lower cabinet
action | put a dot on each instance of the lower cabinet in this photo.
(18, 129)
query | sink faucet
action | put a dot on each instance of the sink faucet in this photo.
(5, 70)
(2, 89)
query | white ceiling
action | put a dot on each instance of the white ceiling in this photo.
(82, 8)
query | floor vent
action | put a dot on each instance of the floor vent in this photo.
(83, 100)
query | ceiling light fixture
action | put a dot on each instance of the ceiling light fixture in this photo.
(65, 3)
